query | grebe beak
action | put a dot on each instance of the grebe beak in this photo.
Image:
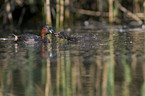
(51, 31)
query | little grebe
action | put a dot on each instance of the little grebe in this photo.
(64, 35)
(83, 38)
(31, 38)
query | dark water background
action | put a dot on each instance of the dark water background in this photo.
(109, 60)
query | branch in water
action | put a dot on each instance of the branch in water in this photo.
(14, 39)
(129, 13)
(5, 39)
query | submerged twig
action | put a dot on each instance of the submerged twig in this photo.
(5, 39)
(14, 39)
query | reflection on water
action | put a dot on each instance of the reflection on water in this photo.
(114, 66)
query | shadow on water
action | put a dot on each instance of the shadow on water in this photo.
(111, 65)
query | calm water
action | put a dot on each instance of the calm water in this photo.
(111, 65)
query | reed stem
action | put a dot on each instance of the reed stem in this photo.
(111, 11)
(48, 12)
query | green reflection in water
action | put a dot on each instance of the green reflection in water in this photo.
(105, 69)
(110, 84)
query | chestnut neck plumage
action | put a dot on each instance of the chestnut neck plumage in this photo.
(43, 32)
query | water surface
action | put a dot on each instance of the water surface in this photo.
(111, 65)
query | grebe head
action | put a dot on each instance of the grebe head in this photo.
(50, 29)
(46, 30)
